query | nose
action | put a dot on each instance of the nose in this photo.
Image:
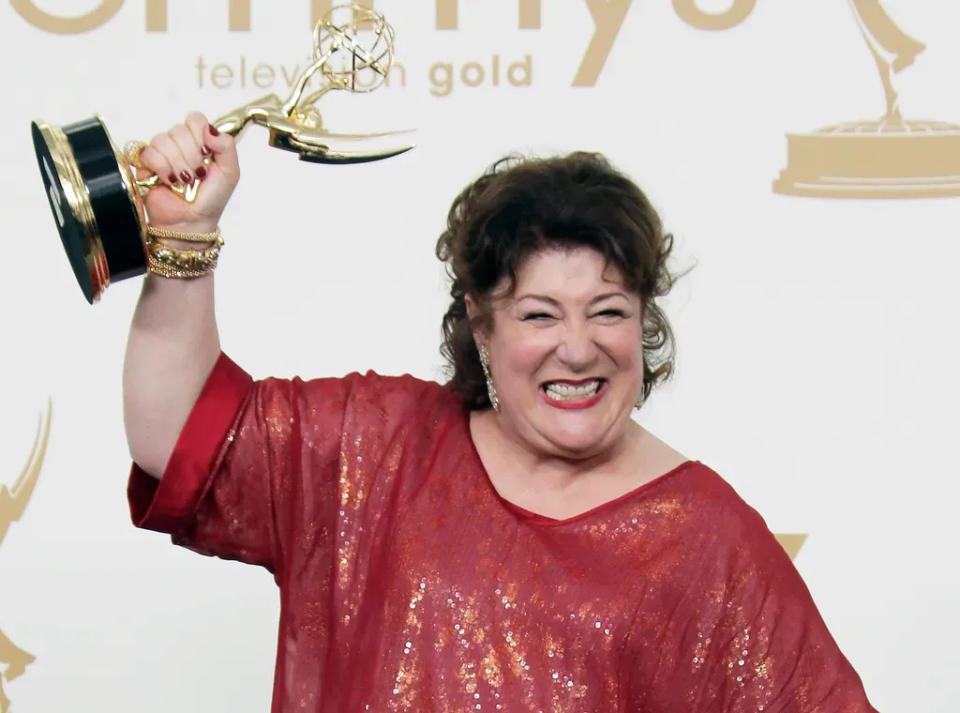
(577, 348)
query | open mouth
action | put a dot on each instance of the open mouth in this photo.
(573, 391)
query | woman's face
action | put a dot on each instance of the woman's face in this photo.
(566, 354)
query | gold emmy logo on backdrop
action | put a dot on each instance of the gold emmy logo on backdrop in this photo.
(791, 542)
(608, 19)
(891, 157)
(13, 502)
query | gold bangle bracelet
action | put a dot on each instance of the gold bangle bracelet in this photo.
(154, 267)
(158, 232)
(165, 261)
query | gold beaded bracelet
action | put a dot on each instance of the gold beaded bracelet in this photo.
(166, 261)
(166, 233)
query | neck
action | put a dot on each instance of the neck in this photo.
(504, 451)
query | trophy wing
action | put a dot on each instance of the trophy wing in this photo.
(884, 34)
(13, 501)
(323, 147)
(317, 145)
(342, 157)
(332, 137)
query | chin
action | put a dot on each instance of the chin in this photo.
(578, 443)
(584, 433)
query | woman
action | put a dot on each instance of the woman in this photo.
(511, 541)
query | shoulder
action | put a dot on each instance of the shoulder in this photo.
(364, 409)
(370, 400)
(386, 401)
(378, 391)
(721, 518)
(737, 556)
(368, 388)
(759, 634)
(703, 483)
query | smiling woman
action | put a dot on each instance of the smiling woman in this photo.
(519, 208)
(565, 358)
(510, 541)
(556, 265)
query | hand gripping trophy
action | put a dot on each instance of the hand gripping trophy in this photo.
(97, 200)
(890, 157)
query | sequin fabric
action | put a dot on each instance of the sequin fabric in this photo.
(408, 584)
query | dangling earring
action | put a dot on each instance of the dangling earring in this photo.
(491, 389)
(639, 402)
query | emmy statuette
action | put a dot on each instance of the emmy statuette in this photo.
(92, 187)
(891, 157)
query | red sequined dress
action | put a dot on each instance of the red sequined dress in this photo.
(408, 584)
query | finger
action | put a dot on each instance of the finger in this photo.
(197, 124)
(154, 159)
(165, 144)
(224, 150)
(189, 151)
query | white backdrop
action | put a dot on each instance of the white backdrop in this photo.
(818, 344)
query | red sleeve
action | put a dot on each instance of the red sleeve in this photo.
(168, 505)
(255, 464)
(767, 648)
(746, 635)
(258, 470)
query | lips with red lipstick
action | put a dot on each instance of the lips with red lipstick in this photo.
(569, 394)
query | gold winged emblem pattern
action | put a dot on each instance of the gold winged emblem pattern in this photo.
(13, 503)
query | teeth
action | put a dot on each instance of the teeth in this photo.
(562, 392)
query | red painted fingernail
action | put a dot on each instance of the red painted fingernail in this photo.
(205, 151)
(172, 178)
(213, 130)
(201, 173)
(185, 175)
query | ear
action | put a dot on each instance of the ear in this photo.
(479, 337)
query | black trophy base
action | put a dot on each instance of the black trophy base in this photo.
(95, 203)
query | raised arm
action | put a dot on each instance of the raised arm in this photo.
(173, 342)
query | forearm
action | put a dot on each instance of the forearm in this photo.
(173, 341)
(172, 347)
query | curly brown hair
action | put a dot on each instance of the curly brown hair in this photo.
(521, 206)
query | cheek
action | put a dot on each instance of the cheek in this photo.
(522, 353)
(626, 348)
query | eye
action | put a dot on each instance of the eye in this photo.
(536, 316)
(611, 313)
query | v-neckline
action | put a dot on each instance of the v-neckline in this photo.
(539, 519)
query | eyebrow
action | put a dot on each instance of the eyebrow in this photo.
(550, 300)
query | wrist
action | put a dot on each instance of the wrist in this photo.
(194, 226)
(168, 257)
